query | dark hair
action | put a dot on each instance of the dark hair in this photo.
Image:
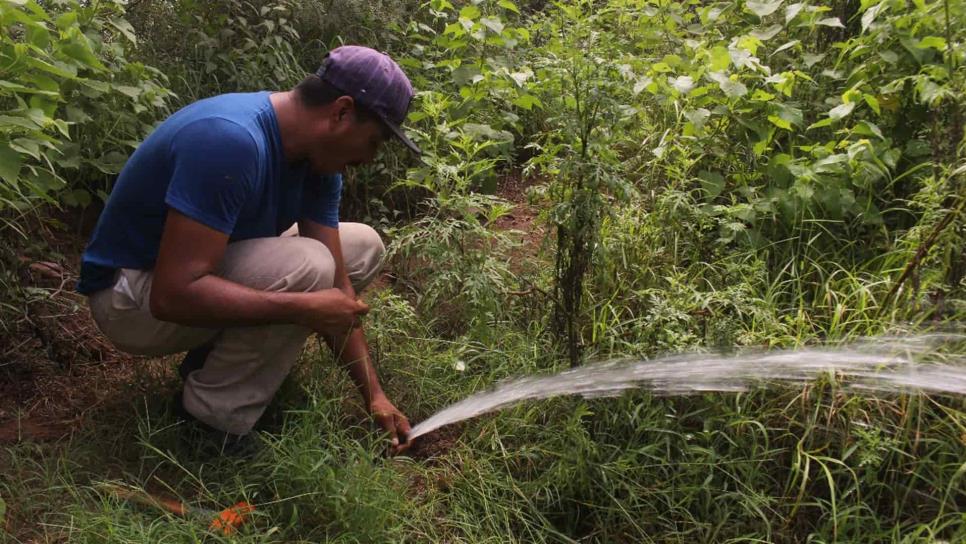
(314, 92)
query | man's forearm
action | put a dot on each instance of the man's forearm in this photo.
(353, 351)
(212, 301)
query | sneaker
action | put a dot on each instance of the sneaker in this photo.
(211, 441)
(193, 360)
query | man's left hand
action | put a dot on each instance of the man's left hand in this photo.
(392, 421)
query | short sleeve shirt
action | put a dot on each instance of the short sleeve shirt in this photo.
(218, 161)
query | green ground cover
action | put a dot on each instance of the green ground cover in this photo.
(709, 176)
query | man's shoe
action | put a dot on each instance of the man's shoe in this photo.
(193, 360)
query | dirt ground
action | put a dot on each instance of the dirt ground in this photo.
(56, 369)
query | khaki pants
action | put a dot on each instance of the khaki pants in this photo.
(247, 364)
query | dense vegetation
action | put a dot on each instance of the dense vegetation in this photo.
(718, 175)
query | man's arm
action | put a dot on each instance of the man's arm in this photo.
(352, 348)
(186, 290)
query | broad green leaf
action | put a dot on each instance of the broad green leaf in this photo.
(763, 9)
(56, 67)
(44, 104)
(720, 59)
(733, 88)
(682, 84)
(762, 96)
(873, 103)
(866, 128)
(661, 67)
(466, 74)
(62, 127)
(672, 60)
(19, 121)
(522, 76)
(507, 4)
(38, 11)
(698, 117)
(786, 45)
(851, 95)
(783, 82)
(912, 46)
(470, 12)
(762, 145)
(17, 88)
(712, 183)
(66, 20)
(792, 11)
(99, 86)
(833, 22)
(779, 122)
(127, 90)
(527, 101)
(486, 132)
(934, 42)
(454, 29)
(832, 164)
(10, 162)
(833, 74)
(493, 24)
(803, 189)
(709, 14)
(869, 16)
(742, 55)
(930, 92)
(730, 87)
(80, 49)
(124, 28)
(38, 116)
(840, 111)
(790, 114)
(27, 146)
(42, 81)
(642, 84)
(889, 56)
(823, 123)
(767, 33)
(38, 36)
(811, 59)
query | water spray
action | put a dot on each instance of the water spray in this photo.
(884, 365)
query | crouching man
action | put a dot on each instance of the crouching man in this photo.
(196, 250)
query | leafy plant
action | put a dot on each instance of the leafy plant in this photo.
(73, 105)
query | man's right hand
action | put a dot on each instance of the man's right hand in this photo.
(331, 312)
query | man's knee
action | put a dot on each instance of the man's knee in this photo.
(316, 268)
(363, 251)
(280, 264)
(374, 247)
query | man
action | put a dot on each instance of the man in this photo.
(191, 251)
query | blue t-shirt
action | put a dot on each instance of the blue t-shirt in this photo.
(218, 161)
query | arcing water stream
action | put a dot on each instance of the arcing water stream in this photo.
(928, 363)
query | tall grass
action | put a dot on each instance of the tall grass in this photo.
(779, 465)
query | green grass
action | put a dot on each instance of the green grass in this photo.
(777, 465)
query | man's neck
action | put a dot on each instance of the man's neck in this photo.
(290, 115)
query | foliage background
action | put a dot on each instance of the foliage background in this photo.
(710, 175)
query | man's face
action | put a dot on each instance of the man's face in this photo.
(353, 142)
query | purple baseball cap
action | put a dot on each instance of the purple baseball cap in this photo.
(373, 80)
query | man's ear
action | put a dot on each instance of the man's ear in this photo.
(344, 106)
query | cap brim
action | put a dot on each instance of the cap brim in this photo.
(398, 131)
